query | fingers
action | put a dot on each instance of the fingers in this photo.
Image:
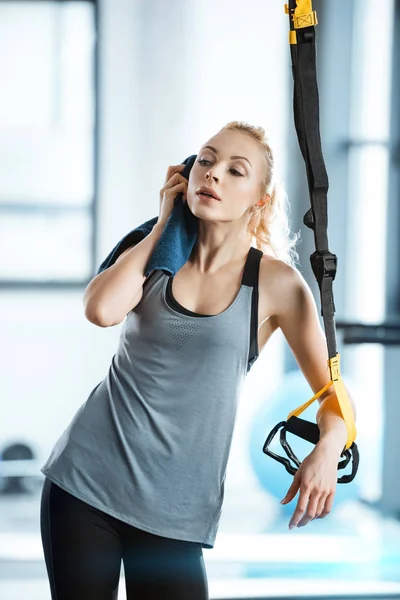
(294, 488)
(175, 179)
(312, 509)
(172, 170)
(316, 505)
(175, 184)
(320, 507)
(181, 187)
(326, 506)
(301, 507)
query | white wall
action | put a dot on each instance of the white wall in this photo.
(157, 59)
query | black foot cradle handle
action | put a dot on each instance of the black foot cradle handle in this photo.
(309, 432)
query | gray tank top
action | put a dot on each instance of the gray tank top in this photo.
(151, 443)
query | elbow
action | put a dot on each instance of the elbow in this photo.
(98, 317)
(95, 317)
(94, 310)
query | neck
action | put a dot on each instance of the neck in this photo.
(215, 250)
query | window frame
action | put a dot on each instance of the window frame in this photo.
(92, 208)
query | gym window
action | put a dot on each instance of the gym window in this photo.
(47, 142)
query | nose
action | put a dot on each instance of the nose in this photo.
(209, 175)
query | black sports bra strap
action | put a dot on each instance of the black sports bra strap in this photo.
(250, 278)
(252, 267)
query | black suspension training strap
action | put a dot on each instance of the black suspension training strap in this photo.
(302, 20)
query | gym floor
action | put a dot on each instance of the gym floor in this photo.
(353, 552)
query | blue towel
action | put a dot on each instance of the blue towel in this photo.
(176, 241)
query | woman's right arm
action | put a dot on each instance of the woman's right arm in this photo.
(113, 293)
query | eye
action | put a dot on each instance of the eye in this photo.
(203, 160)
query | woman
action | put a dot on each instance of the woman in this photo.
(139, 473)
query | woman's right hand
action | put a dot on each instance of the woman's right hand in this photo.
(174, 183)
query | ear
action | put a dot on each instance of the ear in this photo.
(264, 200)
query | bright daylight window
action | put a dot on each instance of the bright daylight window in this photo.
(47, 131)
(368, 191)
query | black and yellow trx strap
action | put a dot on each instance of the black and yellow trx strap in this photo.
(302, 20)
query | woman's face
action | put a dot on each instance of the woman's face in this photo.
(235, 180)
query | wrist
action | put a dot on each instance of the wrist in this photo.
(159, 225)
(331, 443)
(158, 228)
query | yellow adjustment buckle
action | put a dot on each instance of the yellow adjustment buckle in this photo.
(304, 15)
(305, 20)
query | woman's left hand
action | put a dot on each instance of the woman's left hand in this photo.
(317, 479)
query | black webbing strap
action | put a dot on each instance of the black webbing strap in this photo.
(306, 118)
(324, 264)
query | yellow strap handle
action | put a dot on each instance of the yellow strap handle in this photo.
(342, 396)
(304, 16)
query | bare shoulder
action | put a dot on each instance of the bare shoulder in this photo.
(281, 286)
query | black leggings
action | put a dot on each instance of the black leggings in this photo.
(83, 548)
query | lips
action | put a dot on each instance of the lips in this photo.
(206, 190)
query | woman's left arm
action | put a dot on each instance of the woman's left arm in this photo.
(297, 315)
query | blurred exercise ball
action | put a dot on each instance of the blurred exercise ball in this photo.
(271, 474)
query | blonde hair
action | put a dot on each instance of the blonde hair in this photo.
(269, 225)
